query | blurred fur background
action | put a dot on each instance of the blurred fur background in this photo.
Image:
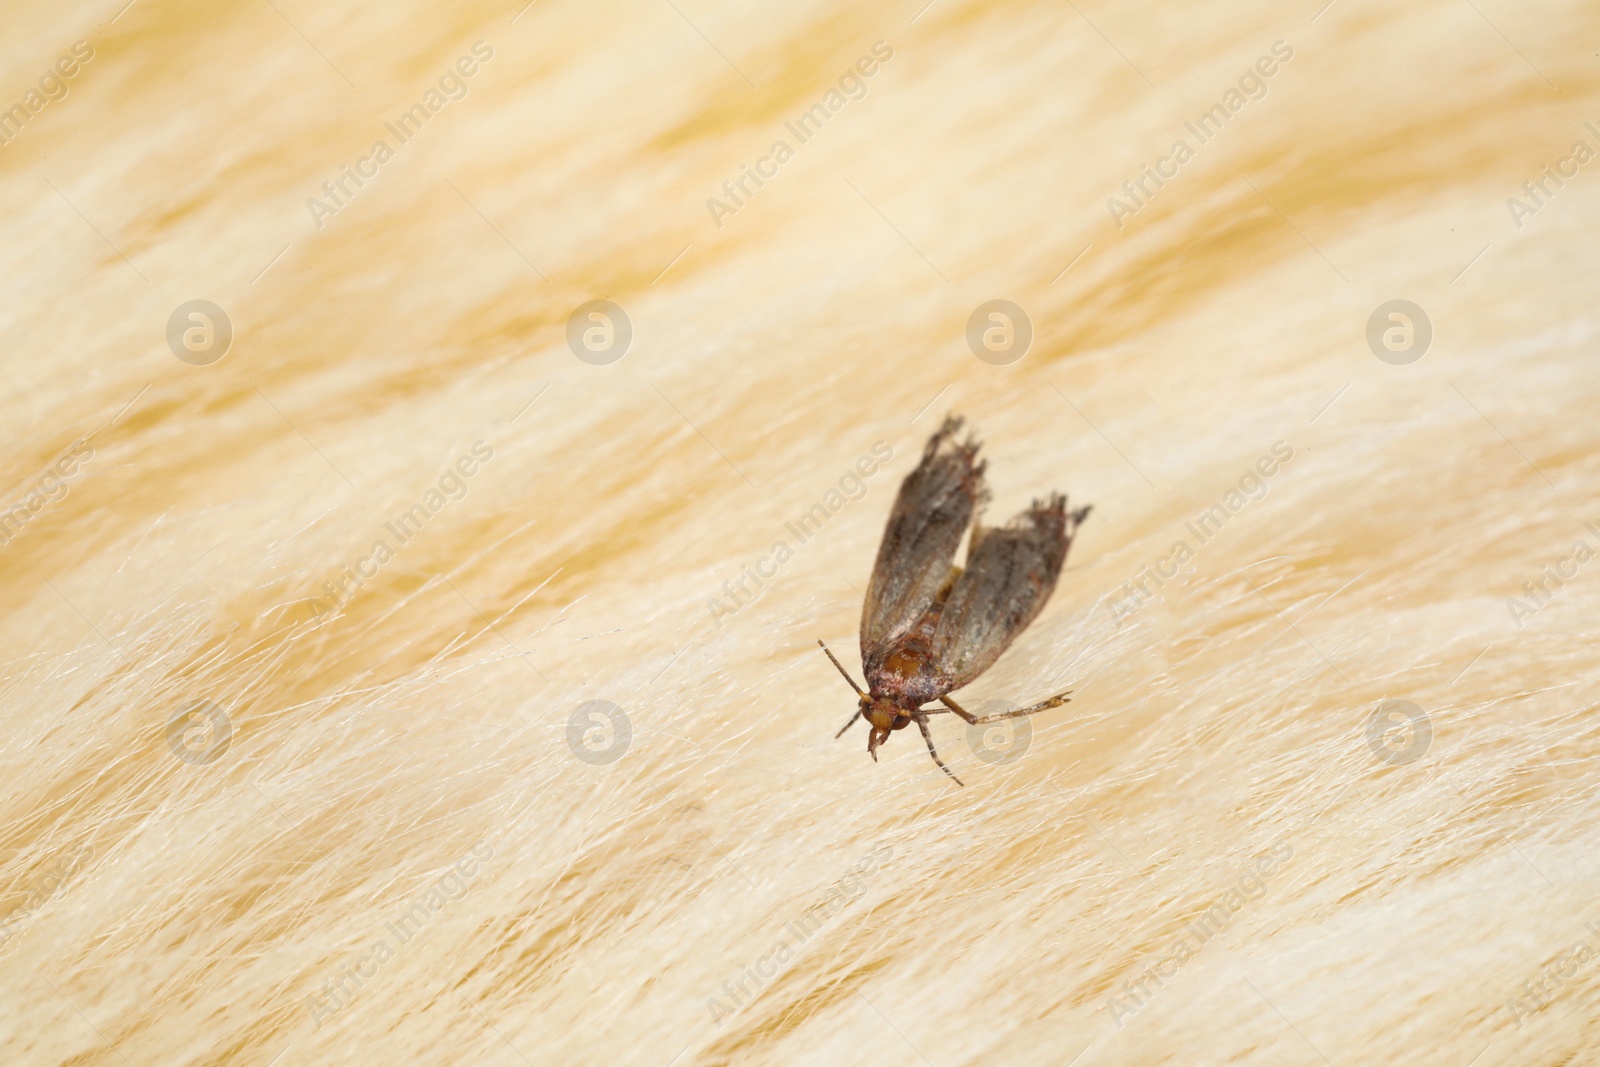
(401, 754)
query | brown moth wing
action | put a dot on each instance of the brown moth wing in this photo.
(1011, 572)
(935, 504)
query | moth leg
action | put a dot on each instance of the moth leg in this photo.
(1045, 705)
(922, 724)
(847, 725)
(976, 720)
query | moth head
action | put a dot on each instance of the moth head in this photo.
(880, 712)
(883, 715)
(877, 737)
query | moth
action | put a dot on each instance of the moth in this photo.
(929, 627)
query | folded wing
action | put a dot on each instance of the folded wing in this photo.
(1011, 572)
(936, 502)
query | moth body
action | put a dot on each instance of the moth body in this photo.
(929, 627)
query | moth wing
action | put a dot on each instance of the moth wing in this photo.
(931, 512)
(1011, 572)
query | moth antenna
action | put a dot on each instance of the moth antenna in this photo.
(848, 680)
